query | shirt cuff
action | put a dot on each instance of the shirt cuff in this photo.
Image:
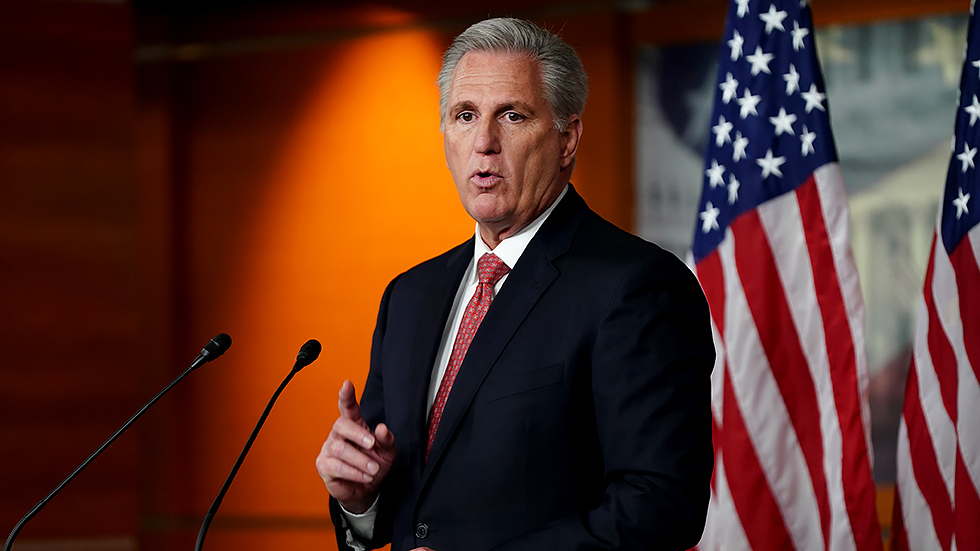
(362, 524)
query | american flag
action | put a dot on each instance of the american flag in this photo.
(936, 503)
(771, 249)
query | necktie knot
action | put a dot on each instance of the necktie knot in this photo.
(490, 269)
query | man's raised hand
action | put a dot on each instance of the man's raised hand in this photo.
(353, 461)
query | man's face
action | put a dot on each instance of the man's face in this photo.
(507, 158)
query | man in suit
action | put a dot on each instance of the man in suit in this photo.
(544, 385)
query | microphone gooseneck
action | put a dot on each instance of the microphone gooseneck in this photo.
(307, 354)
(216, 347)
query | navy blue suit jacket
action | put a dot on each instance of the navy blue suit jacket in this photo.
(580, 417)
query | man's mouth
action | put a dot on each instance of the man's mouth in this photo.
(485, 178)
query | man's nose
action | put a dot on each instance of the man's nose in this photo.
(487, 137)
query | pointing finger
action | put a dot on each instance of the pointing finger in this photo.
(356, 433)
(348, 405)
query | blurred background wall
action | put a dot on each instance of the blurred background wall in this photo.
(172, 170)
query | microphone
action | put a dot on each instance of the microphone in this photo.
(212, 350)
(308, 353)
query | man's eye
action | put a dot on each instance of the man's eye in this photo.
(466, 116)
(514, 117)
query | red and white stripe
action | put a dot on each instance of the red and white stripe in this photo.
(937, 503)
(790, 384)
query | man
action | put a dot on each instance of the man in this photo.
(544, 385)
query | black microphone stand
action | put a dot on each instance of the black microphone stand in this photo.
(215, 348)
(309, 352)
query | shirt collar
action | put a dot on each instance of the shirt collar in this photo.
(510, 249)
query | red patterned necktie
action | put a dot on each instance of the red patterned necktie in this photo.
(490, 269)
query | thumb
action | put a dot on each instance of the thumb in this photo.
(385, 440)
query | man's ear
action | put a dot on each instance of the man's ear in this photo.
(569, 141)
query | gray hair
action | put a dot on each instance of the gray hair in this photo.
(563, 78)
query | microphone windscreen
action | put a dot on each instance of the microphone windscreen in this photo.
(307, 354)
(216, 346)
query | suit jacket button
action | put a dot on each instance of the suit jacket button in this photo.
(421, 531)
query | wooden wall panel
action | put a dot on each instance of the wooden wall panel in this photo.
(69, 371)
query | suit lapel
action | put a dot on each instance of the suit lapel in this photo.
(430, 326)
(527, 281)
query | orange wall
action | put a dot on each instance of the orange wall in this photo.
(345, 192)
